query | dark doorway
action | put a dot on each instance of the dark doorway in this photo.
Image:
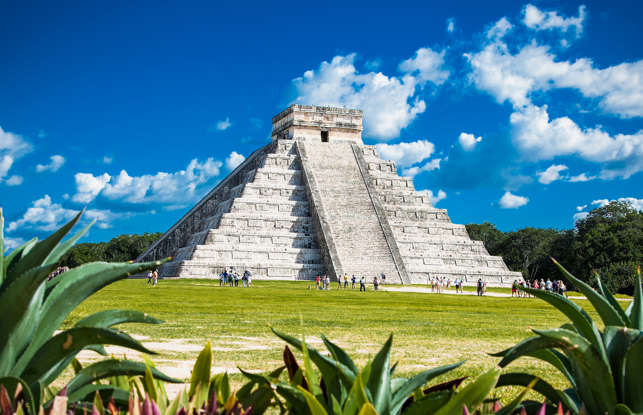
(324, 136)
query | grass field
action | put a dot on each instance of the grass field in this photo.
(429, 329)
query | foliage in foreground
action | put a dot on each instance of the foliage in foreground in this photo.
(32, 354)
(604, 368)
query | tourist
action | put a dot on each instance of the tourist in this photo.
(563, 288)
(345, 281)
(155, 277)
(221, 277)
(339, 282)
(457, 285)
(149, 277)
(353, 282)
(236, 279)
(318, 282)
(548, 285)
(362, 284)
(514, 289)
(327, 282)
(376, 283)
(383, 278)
(479, 287)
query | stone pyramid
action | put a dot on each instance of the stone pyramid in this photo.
(316, 200)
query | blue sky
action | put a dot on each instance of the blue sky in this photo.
(521, 114)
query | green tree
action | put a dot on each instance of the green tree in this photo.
(487, 233)
(527, 250)
(120, 249)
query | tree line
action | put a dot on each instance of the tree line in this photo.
(609, 241)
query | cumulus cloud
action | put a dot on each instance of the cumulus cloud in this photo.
(580, 208)
(426, 66)
(516, 77)
(389, 102)
(233, 160)
(12, 147)
(55, 163)
(633, 201)
(46, 216)
(223, 124)
(14, 180)
(511, 201)
(536, 19)
(499, 29)
(540, 138)
(583, 177)
(428, 166)
(434, 198)
(406, 153)
(107, 160)
(159, 188)
(551, 174)
(580, 215)
(468, 141)
(11, 243)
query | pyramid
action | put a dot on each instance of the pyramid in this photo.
(316, 200)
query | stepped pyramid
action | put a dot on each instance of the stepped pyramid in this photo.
(316, 200)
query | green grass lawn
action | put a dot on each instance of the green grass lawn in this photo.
(429, 329)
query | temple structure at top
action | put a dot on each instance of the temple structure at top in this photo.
(316, 200)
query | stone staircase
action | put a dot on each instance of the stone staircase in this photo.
(265, 226)
(430, 244)
(360, 246)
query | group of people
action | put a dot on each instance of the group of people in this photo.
(153, 277)
(323, 282)
(231, 278)
(57, 272)
(555, 286)
(438, 284)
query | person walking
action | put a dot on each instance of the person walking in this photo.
(327, 282)
(479, 287)
(155, 277)
(353, 282)
(149, 277)
(345, 281)
(318, 282)
(362, 284)
(376, 284)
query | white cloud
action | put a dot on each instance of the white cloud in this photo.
(535, 19)
(434, 198)
(233, 160)
(159, 188)
(107, 160)
(468, 141)
(89, 186)
(43, 215)
(583, 177)
(14, 180)
(428, 166)
(55, 164)
(516, 77)
(511, 201)
(580, 208)
(551, 174)
(634, 202)
(427, 66)
(406, 153)
(223, 124)
(389, 103)
(580, 215)
(12, 147)
(451, 24)
(499, 29)
(540, 138)
(10, 243)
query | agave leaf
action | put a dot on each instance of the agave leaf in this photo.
(83, 281)
(11, 384)
(633, 368)
(39, 252)
(637, 305)
(430, 403)
(201, 370)
(314, 406)
(340, 355)
(525, 347)
(173, 407)
(379, 382)
(112, 367)
(617, 341)
(608, 314)
(293, 367)
(541, 386)
(473, 394)
(556, 359)
(88, 391)
(332, 371)
(61, 249)
(148, 383)
(20, 305)
(594, 380)
(109, 318)
(356, 396)
(16, 254)
(368, 409)
(609, 297)
(417, 381)
(622, 410)
(57, 353)
(294, 398)
(576, 314)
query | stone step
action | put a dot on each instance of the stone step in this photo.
(271, 205)
(281, 161)
(248, 220)
(271, 175)
(256, 253)
(398, 215)
(279, 239)
(456, 260)
(278, 190)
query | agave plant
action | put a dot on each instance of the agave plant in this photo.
(32, 354)
(604, 368)
(343, 389)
